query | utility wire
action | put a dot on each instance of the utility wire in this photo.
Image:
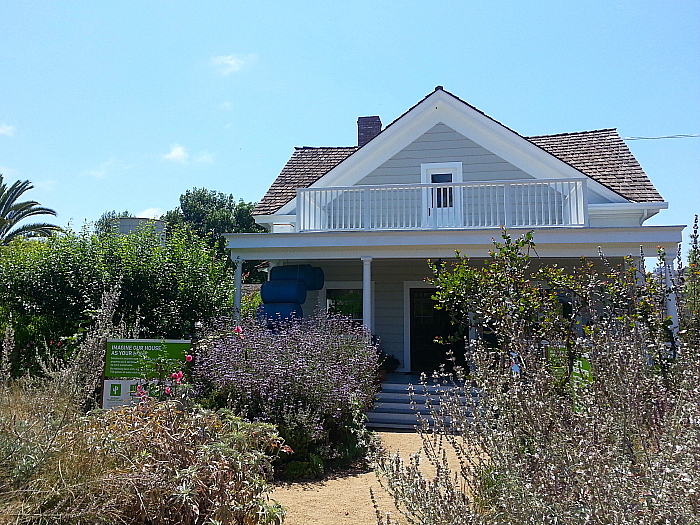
(684, 136)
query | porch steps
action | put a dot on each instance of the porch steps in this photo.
(392, 408)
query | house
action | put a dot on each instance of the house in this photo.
(444, 176)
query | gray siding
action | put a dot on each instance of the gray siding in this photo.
(443, 144)
(389, 276)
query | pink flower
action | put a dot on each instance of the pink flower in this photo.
(178, 381)
(173, 376)
(188, 358)
(179, 375)
(167, 390)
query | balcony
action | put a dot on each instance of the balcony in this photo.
(467, 205)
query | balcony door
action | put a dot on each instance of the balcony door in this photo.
(442, 201)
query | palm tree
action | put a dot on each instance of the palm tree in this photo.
(12, 212)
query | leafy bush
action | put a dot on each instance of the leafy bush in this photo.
(153, 462)
(551, 427)
(311, 379)
(52, 290)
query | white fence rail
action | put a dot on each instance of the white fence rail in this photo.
(521, 203)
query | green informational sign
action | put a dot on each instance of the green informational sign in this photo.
(124, 356)
(581, 373)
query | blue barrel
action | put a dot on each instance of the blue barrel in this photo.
(312, 277)
(283, 292)
(277, 312)
(319, 279)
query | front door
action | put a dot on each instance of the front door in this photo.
(426, 325)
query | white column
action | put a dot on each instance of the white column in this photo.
(271, 265)
(237, 282)
(671, 306)
(367, 292)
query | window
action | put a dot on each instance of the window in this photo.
(346, 302)
(442, 196)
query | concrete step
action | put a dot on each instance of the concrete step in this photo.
(394, 420)
(396, 408)
(393, 408)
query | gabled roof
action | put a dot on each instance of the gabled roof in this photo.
(306, 166)
(602, 155)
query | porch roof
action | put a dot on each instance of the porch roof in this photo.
(550, 242)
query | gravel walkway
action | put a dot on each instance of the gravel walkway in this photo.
(344, 499)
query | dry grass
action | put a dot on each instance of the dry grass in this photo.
(156, 463)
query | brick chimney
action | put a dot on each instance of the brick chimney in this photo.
(367, 129)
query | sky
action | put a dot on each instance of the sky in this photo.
(126, 105)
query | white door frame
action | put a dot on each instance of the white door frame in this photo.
(434, 216)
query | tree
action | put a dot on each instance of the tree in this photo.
(210, 214)
(13, 212)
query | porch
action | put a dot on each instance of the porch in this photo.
(386, 269)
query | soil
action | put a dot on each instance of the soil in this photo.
(343, 497)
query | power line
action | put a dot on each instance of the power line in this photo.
(683, 136)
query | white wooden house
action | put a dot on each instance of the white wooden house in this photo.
(445, 176)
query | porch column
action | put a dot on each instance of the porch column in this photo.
(238, 283)
(367, 292)
(671, 306)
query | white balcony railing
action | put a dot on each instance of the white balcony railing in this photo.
(521, 203)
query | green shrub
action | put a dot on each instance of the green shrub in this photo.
(52, 290)
(536, 440)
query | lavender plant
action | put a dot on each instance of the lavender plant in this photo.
(611, 435)
(312, 379)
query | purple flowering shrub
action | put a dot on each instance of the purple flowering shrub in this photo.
(312, 379)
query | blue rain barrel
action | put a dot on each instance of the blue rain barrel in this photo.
(319, 279)
(312, 277)
(283, 292)
(277, 312)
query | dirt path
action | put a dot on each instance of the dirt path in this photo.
(344, 499)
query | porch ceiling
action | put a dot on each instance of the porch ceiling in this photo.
(550, 242)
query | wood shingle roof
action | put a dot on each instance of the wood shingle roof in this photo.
(603, 156)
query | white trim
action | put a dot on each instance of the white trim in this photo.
(238, 284)
(367, 295)
(551, 242)
(275, 217)
(429, 168)
(407, 286)
(342, 285)
(431, 212)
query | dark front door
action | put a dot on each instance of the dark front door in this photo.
(427, 324)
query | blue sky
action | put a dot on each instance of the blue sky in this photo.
(124, 106)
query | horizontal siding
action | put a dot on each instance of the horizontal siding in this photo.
(389, 277)
(443, 144)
